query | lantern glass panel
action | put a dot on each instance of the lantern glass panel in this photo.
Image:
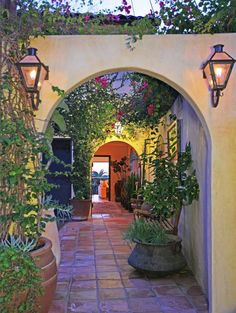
(42, 77)
(207, 72)
(221, 73)
(30, 74)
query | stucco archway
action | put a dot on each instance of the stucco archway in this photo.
(175, 59)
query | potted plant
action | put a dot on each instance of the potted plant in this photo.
(24, 251)
(155, 251)
(174, 185)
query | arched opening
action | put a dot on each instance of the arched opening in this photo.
(197, 238)
(105, 156)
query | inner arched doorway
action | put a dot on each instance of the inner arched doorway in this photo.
(108, 153)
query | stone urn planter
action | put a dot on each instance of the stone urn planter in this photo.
(81, 209)
(46, 262)
(158, 258)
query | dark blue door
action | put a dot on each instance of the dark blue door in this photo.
(62, 150)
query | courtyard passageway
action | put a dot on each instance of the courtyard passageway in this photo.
(94, 276)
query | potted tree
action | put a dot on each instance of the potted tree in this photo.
(174, 185)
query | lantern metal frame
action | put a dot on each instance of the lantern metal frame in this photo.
(32, 91)
(216, 90)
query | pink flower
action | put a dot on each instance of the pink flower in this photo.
(161, 4)
(86, 18)
(145, 85)
(150, 109)
(104, 82)
(101, 81)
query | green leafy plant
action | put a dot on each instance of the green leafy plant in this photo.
(121, 168)
(174, 184)
(88, 121)
(18, 280)
(146, 232)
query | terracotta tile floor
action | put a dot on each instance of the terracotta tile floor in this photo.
(94, 276)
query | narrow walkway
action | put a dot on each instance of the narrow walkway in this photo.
(94, 276)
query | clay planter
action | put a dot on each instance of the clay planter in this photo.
(158, 259)
(51, 232)
(46, 261)
(81, 209)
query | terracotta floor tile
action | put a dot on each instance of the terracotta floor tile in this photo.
(105, 257)
(83, 307)
(142, 305)
(105, 262)
(162, 281)
(90, 294)
(94, 276)
(109, 275)
(106, 283)
(108, 306)
(199, 302)
(61, 295)
(83, 284)
(136, 283)
(106, 268)
(84, 276)
(175, 302)
(140, 292)
(57, 306)
(168, 291)
(112, 293)
(193, 291)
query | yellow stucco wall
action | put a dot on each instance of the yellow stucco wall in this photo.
(176, 59)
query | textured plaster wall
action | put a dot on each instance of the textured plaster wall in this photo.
(176, 59)
(194, 218)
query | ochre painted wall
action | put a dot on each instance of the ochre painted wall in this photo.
(177, 60)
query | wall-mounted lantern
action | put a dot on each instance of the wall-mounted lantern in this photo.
(118, 128)
(32, 73)
(217, 71)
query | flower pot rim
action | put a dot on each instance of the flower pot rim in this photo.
(46, 244)
(174, 239)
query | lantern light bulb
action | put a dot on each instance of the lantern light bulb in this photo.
(219, 71)
(33, 74)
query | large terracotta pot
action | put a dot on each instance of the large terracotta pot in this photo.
(46, 261)
(81, 209)
(159, 259)
(51, 232)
